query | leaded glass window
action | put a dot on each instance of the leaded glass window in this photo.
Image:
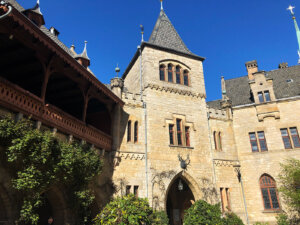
(286, 139)
(179, 131)
(295, 137)
(170, 73)
(178, 80)
(253, 142)
(162, 71)
(269, 193)
(262, 141)
(171, 133)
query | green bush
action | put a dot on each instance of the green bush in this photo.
(232, 219)
(125, 210)
(282, 219)
(159, 218)
(261, 223)
(203, 213)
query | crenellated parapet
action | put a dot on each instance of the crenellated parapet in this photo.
(217, 113)
(132, 99)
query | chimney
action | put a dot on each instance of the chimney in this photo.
(54, 31)
(251, 67)
(282, 65)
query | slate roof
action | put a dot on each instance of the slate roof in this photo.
(165, 35)
(286, 83)
(18, 7)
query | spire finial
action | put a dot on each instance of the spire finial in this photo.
(291, 8)
(117, 69)
(161, 5)
(142, 32)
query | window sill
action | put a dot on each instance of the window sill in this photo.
(272, 211)
(180, 146)
(263, 152)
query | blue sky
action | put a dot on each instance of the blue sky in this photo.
(227, 33)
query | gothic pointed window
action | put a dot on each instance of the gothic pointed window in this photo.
(162, 71)
(269, 193)
(186, 78)
(178, 78)
(170, 73)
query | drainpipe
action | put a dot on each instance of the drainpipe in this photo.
(211, 150)
(239, 175)
(3, 3)
(145, 118)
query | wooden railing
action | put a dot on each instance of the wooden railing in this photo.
(19, 100)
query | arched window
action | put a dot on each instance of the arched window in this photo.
(186, 77)
(178, 78)
(162, 71)
(129, 131)
(219, 141)
(269, 193)
(170, 73)
(136, 132)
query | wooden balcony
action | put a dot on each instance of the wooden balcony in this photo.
(19, 100)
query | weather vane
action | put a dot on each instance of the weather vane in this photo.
(290, 8)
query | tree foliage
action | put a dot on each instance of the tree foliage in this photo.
(159, 218)
(232, 219)
(289, 178)
(130, 210)
(39, 161)
(203, 213)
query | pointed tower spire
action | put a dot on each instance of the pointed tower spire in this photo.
(35, 14)
(161, 5)
(83, 58)
(84, 53)
(165, 35)
(291, 8)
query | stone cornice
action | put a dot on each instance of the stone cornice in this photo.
(174, 90)
(226, 163)
(130, 155)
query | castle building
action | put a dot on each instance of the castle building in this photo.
(158, 135)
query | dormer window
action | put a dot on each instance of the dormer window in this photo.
(267, 96)
(178, 74)
(264, 96)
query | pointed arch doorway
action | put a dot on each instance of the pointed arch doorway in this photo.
(179, 198)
